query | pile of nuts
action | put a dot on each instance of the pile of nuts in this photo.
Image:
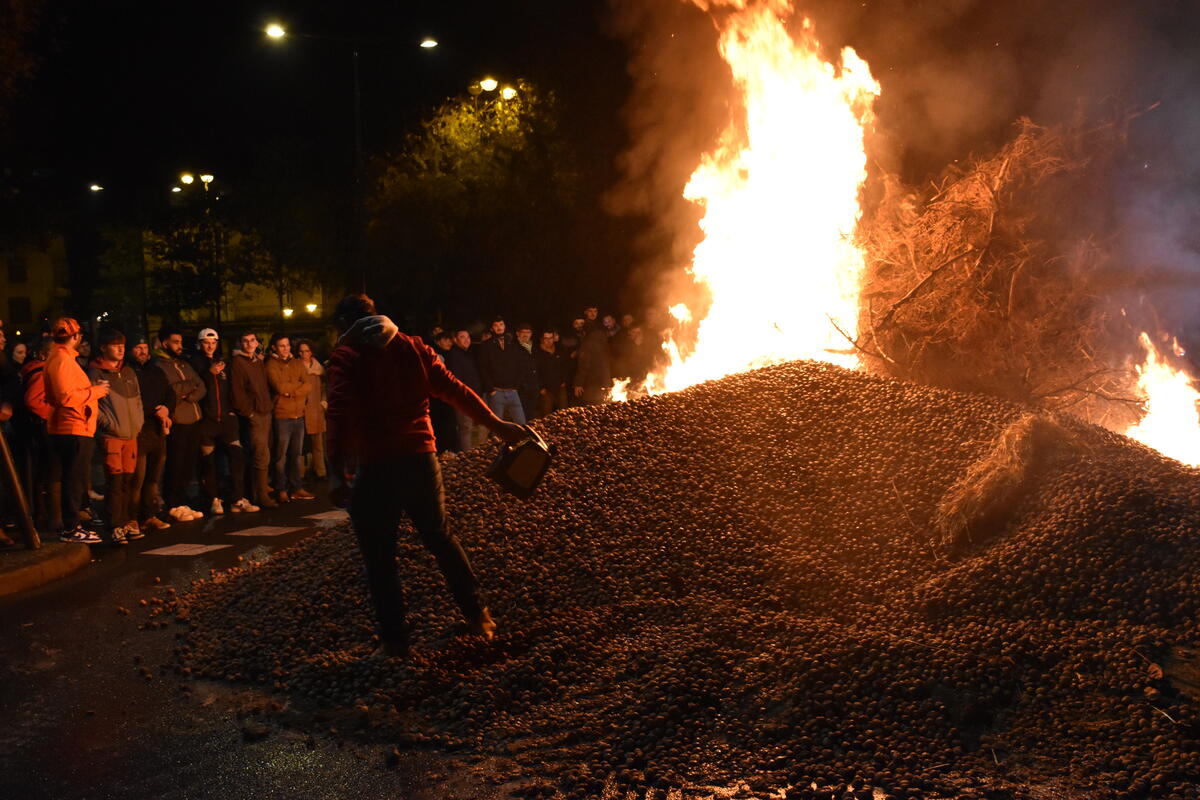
(739, 582)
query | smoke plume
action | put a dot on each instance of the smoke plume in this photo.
(955, 76)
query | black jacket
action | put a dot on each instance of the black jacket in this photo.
(551, 369)
(499, 367)
(594, 369)
(218, 399)
(156, 391)
(527, 361)
(462, 364)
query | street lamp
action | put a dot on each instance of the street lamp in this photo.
(176, 190)
(95, 187)
(508, 93)
(287, 312)
(206, 180)
(489, 84)
(277, 32)
(187, 178)
(311, 308)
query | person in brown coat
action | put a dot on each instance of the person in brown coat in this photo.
(290, 384)
(250, 394)
(314, 409)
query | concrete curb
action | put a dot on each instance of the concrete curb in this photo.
(21, 571)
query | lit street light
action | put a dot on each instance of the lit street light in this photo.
(508, 93)
(311, 308)
(489, 84)
(176, 189)
(206, 180)
(187, 178)
(277, 32)
(95, 187)
(287, 312)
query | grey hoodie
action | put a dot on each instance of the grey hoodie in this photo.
(121, 414)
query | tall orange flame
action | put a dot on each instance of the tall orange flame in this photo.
(1171, 424)
(780, 195)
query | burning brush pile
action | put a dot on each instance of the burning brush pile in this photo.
(1005, 278)
(801, 577)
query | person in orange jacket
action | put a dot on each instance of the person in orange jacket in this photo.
(73, 400)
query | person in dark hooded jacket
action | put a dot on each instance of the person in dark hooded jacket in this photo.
(183, 445)
(219, 427)
(380, 382)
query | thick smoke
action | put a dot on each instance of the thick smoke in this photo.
(956, 75)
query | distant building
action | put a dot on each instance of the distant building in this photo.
(32, 281)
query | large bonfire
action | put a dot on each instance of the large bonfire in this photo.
(961, 287)
(778, 264)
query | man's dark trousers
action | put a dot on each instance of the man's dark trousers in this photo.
(72, 460)
(385, 490)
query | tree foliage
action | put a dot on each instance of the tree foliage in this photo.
(480, 202)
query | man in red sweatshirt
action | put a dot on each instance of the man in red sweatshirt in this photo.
(380, 382)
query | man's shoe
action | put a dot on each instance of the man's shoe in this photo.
(156, 524)
(191, 513)
(86, 515)
(268, 502)
(79, 534)
(117, 537)
(282, 497)
(244, 505)
(485, 626)
(92, 493)
(300, 494)
(133, 532)
(217, 509)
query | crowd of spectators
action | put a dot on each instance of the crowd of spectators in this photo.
(184, 427)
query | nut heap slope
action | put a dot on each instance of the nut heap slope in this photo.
(801, 577)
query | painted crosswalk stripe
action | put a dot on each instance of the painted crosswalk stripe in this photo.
(336, 514)
(265, 530)
(184, 549)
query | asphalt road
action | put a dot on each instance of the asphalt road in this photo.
(91, 709)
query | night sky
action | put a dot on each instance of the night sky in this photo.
(130, 94)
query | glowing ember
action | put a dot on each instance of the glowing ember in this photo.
(780, 198)
(1171, 425)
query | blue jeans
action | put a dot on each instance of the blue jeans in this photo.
(507, 400)
(289, 453)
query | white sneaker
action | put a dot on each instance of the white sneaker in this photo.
(217, 509)
(79, 534)
(244, 505)
(184, 514)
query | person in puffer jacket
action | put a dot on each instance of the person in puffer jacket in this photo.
(120, 422)
(183, 445)
(380, 382)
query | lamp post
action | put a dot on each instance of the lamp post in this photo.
(277, 32)
(214, 257)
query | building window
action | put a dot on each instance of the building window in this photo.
(20, 311)
(17, 271)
